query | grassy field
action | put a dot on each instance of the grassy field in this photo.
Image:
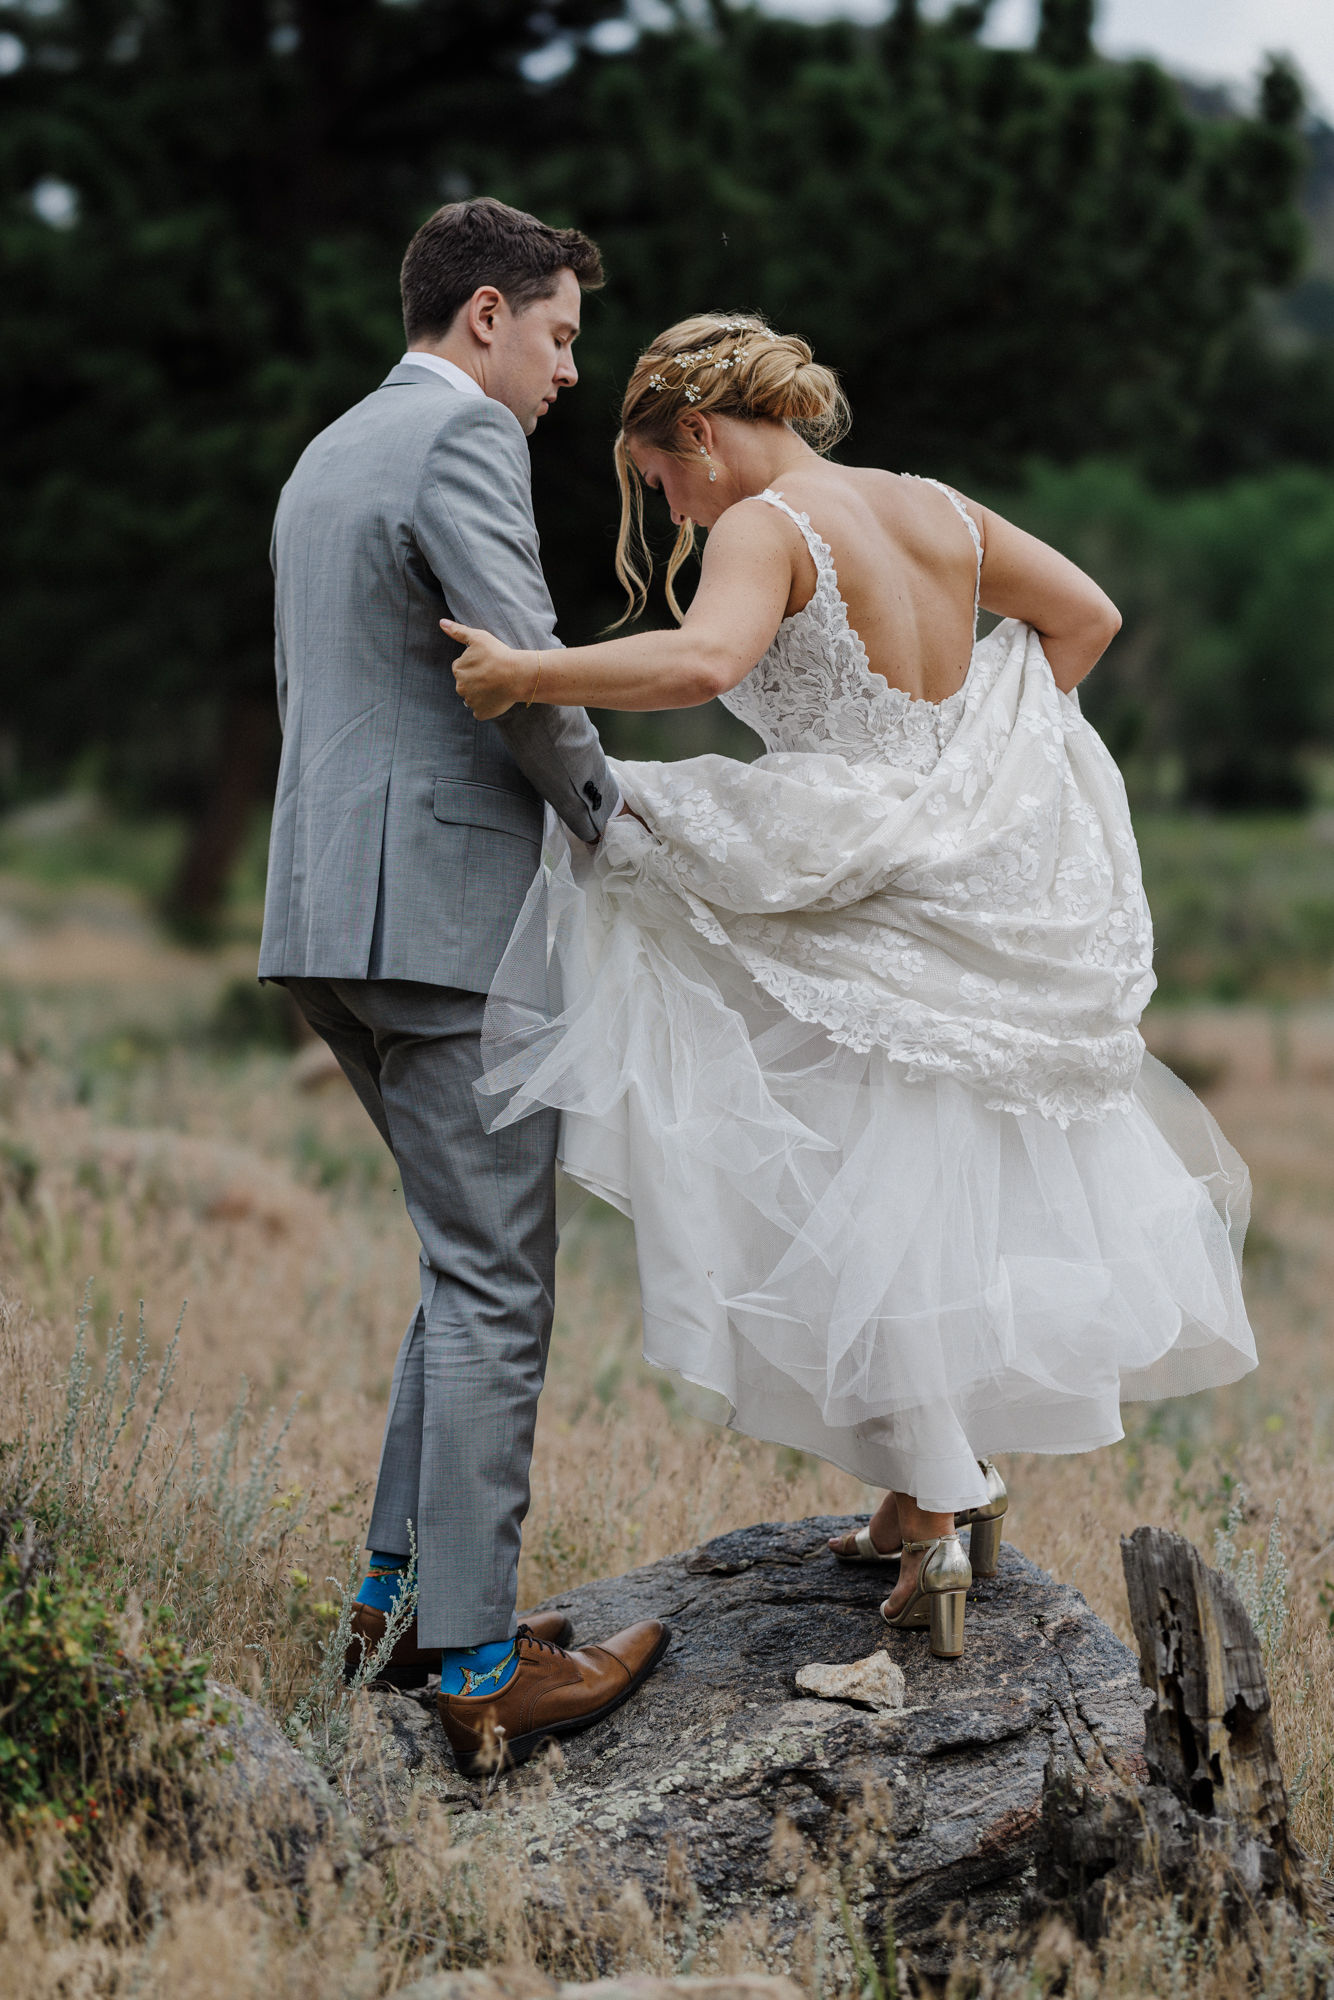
(162, 1139)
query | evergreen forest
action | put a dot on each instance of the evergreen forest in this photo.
(1095, 296)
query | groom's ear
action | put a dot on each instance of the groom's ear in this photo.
(481, 312)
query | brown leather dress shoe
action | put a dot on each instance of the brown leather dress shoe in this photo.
(551, 1693)
(409, 1665)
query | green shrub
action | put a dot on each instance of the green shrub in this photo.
(78, 838)
(89, 1685)
(1219, 689)
(1243, 907)
(19, 1169)
(249, 1015)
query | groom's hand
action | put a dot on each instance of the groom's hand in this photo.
(487, 674)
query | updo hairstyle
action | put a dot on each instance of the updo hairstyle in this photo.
(725, 365)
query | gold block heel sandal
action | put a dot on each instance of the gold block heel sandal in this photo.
(859, 1548)
(984, 1523)
(938, 1596)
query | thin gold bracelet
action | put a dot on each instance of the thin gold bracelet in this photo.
(532, 692)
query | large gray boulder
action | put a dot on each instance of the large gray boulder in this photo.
(720, 1761)
(258, 1791)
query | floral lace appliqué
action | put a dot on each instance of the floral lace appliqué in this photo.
(814, 688)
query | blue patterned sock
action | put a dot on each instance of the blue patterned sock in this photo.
(383, 1581)
(478, 1669)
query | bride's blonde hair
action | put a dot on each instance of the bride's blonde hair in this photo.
(721, 364)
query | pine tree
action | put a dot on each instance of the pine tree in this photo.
(1065, 32)
(242, 176)
(1007, 253)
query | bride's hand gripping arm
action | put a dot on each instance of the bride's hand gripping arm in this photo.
(1024, 578)
(745, 581)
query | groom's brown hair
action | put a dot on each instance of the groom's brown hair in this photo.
(485, 242)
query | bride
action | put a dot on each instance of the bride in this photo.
(851, 1031)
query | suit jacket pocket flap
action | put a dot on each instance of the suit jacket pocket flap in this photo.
(487, 805)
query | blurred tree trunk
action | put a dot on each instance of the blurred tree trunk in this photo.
(243, 776)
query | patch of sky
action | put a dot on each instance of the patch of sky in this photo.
(1214, 41)
(614, 37)
(56, 202)
(551, 61)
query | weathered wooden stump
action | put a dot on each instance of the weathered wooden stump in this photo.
(1209, 1736)
(1212, 1821)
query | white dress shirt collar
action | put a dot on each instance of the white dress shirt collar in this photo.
(449, 369)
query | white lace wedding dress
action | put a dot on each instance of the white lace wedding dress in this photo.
(852, 1035)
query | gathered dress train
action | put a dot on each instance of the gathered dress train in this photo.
(852, 1034)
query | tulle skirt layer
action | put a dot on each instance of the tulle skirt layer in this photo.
(881, 1271)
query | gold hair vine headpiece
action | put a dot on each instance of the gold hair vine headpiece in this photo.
(704, 357)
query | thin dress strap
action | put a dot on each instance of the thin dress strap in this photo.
(971, 526)
(819, 548)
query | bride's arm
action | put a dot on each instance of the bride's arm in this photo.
(1024, 578)
(744, 585)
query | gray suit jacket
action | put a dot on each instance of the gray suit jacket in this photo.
(405, 833)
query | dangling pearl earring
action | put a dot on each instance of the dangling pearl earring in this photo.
(713, 470)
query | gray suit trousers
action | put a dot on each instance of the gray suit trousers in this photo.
(463, 1405)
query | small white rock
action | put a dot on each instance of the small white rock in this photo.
(875, 1682)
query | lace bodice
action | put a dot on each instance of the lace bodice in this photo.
(954, 883)
(814, 688)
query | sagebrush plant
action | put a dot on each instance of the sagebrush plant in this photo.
(191, 1527)
(1261, 1586)
(155, 1547)
(102, 1699)
(320, 1719)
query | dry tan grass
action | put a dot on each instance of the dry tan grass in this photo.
(162, 1173)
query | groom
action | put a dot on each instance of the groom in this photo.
(405, 837)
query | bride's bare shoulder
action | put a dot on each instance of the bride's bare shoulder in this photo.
(752, 522)
(846, 490)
